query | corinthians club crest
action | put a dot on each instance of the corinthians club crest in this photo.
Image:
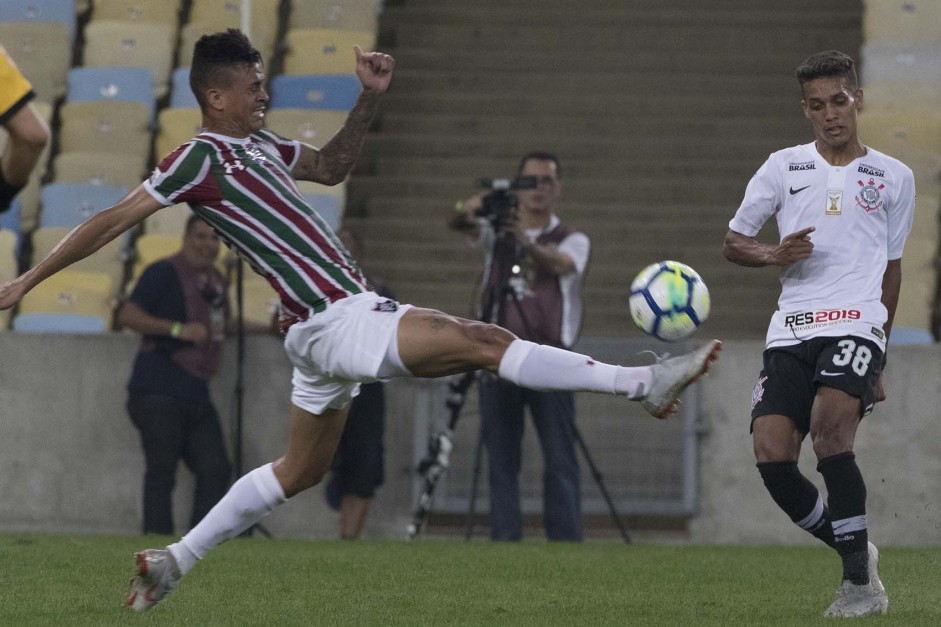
(869, 197)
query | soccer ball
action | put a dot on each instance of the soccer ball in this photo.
(669, 300)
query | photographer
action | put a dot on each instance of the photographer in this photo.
(532, 286)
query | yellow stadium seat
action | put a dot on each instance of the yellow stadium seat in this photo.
(901, 20)
(216, 15)
(324, 51)
(8, 269)
(168, 221)
(151, 247)
(901, 132)
(311, 126)
(176, 127)
(115, 126)
(115, 43)
(260, 301)
(72, 292)
(108, 260)
(100, 168)
(43, 53)
(336, 14)
(164, 12)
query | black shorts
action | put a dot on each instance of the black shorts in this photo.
(791, 375)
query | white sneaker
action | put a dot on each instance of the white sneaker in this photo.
(157, 574)
(874, 579)
(672, 376)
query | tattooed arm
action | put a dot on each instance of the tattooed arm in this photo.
(332, 163)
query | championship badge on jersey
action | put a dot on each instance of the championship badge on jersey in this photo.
(834, 202)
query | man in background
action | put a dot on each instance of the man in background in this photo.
(532, 286)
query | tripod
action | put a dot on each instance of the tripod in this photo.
(502, 292)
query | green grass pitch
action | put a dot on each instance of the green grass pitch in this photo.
(81, 580)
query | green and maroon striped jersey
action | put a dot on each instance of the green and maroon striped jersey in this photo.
(245, 190)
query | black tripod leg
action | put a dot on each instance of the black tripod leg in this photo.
(596, 474)
(472, 505)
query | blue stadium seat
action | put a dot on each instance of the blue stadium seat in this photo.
(112, 83)
(10, 221)
(315, 91)
(181, 96)
(70, 204)
(910, 336)
(58, 323)
(328, 207)
(56, 11)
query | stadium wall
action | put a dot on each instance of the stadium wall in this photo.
(70, 460)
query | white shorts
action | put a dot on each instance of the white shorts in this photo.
(339, 348)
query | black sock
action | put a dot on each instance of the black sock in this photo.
(847, 499)
(7, 192)
(798, 497)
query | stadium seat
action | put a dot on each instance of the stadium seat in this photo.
(71, 292)
(324, 51)
(176, 127)
(181, 96)
(168, 221)
(165, 12)
(54, 11)
(113, 43)
(151, 247)
(70, 204)
(59, 323)
(331, 92)
(335, 14)
(99, 168)
(259, 300)
(311, 126)
(901, 20)
(901, 132)
(900, 62)
(117, 127)
(221, 14)
(112, 83)
(10, 222)
(43, 53)
(109, 259)
(328, 201)
(901, 95)
(8, 266)
(28, 198)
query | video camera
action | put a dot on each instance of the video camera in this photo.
(500, 204)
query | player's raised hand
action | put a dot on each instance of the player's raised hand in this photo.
(795, 247)
(374, 69)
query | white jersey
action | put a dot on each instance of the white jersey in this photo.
(862, 212)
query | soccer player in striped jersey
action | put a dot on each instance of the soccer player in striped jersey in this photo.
(338, 333)
(844, 211)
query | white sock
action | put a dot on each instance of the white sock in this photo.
(541, 367)
(250, 499)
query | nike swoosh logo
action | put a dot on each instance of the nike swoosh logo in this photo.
(831, 374)
(798, 190)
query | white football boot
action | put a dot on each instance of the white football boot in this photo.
(157, 574)
(673, 375)
(869, 599)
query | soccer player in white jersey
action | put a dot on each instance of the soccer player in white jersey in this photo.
(844, 211)
(339, 333)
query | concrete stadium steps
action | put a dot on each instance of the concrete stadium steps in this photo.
(660, 113)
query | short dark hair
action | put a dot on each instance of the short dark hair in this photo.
(214, 57)
(826, 64)
(191, 223)
(541, 155)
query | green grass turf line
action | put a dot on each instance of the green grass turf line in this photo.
(81, 580)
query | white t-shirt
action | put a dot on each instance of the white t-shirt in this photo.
(862, 212)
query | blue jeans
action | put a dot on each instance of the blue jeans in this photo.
(502, 408)
(170, 430)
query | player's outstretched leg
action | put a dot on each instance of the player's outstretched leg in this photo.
(157, 574)
(671, 376)
(856, 601)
